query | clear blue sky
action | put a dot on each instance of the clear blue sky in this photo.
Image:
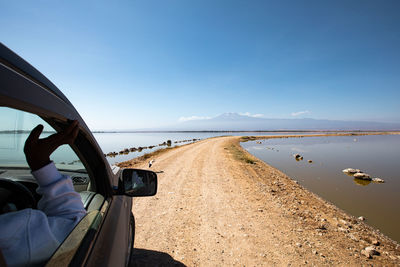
(135, 64)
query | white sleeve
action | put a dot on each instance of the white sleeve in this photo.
(59, 199)
(31, 236)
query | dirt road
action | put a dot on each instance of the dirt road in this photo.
(218, 206)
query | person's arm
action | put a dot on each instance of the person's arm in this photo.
(58, 195)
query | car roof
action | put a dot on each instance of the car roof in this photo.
(18, 64)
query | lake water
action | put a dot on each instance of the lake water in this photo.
(12, 144)
(116, 142)
(376, 155)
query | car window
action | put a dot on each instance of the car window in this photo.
(15, 126)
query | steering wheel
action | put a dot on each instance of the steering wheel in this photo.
(15, 196)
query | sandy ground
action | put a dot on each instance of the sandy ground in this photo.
(219, 206)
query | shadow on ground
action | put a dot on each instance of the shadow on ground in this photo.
(144, 257)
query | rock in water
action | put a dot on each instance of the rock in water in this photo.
(351, 171)
(361, 175)
(298, 157)
(378, 180)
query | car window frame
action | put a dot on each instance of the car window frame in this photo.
(21, 93)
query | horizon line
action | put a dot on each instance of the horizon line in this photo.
(236, 131)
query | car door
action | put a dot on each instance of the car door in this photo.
(23, 88)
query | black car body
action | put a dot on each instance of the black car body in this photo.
(105, 235)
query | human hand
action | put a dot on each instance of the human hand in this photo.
(37, 151)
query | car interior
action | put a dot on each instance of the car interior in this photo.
(15, 128)
(18, 186)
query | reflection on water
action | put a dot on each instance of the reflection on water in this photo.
(375, 155)
(361, 182)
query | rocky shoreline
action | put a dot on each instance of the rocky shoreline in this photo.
(367, 241)
(167, 143)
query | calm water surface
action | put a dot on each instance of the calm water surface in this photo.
(376, 155)
(115, 142)
(12, 144)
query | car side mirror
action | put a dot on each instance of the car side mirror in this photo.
(137, 183)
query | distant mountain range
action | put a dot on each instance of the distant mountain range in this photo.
(237, 122)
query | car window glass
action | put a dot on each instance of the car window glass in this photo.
(15, 126)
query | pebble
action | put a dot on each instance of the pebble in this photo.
(361, 218)
(369, 252)
(343, 230)
(366, 254)
(299, 245)
(352, 237)
(372, 249)
(314, 252)
(376, 243)
(309, 161)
